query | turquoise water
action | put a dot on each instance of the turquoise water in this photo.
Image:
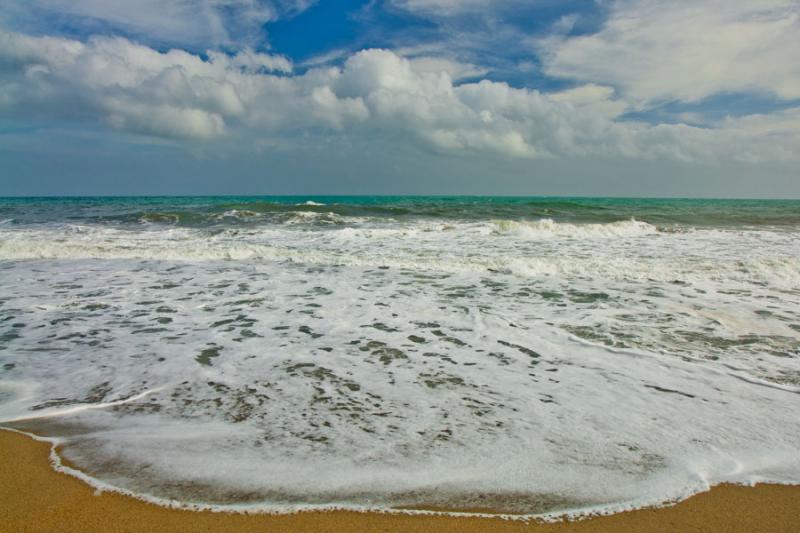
(199, 211)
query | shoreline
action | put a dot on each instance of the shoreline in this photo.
(36, 497)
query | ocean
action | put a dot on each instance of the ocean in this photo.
(530, 356)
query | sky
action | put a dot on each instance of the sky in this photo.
(505, 97)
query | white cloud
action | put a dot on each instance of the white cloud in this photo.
(130, 86)
(781, 130)
(250, 98)
(686, 50)
(598, 98)
(184, 22)
(455, 69)
(163, 120)
(451, 7)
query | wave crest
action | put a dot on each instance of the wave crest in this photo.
(410, 248)
(548, 228)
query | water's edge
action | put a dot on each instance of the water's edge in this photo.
(580, 514)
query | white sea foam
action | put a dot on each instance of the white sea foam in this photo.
(640, 253)
(549, 229)
(542, 367)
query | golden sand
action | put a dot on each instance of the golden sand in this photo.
(34, 497)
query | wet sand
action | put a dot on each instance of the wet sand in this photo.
(34, 497)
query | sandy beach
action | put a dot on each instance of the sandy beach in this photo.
(37, 498)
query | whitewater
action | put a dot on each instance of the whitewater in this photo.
(526, 356)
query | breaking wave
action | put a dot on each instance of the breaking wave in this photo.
(548, 228)
(437, 247)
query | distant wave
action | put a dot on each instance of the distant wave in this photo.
(229, 217)
(193, 212)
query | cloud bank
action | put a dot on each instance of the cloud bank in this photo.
(683, 50)
(251, 97)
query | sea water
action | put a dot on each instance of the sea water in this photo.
(524, 355)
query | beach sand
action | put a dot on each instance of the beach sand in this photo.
(34, 497)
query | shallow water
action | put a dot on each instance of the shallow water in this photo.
(528, 355)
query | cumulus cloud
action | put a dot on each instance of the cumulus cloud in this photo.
(598, 98)
(374, 94)
(129, 86)
(457, 70)
(684, 50)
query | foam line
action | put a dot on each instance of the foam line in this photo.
(76, 409)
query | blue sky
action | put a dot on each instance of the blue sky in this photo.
(607, 97)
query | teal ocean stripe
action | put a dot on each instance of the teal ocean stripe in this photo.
(200, 211)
